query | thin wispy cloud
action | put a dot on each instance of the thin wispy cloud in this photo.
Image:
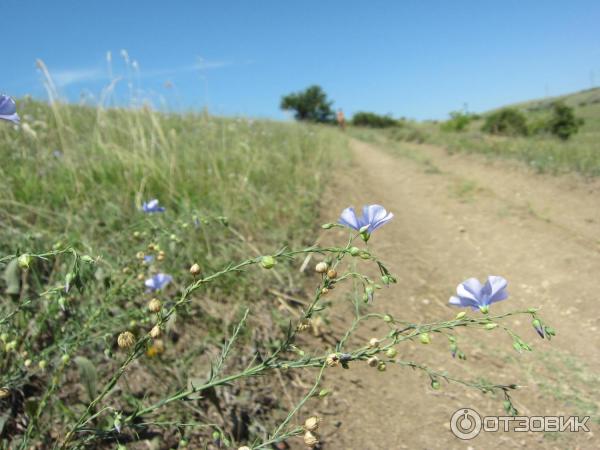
(66, 77)
(73, 76)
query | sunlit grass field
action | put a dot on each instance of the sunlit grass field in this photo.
(72, 183)
(544, 153)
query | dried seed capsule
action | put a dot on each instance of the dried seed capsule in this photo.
(332, 360)
(311, 439)
(154, 305)
(126, 339)
(373, 361)
(155, 332)
(374, 342)
(195, 269)
(321, 267)
(312, 423)
(331, 273)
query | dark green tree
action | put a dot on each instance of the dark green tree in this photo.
(310, 105)
(563, 122)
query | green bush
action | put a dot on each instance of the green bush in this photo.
(369, 119)
(563, 122)
(507, 122)
(310, 105)
(458, 121)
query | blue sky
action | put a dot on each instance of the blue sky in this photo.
(418, 59)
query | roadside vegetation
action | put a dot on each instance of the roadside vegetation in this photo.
(552, 136)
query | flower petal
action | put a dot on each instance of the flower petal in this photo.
(470, 289)
(496, 288)
(348, 218)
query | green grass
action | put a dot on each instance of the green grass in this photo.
(543, 153)
(76, 177)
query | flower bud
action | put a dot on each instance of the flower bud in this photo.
(331, 273)
(126, 340)
(311, 439)
(435, 384)
(538, 327)
(155, 332)
(267, 262)
(312, 423)
(321, 267)
(42, 364)
(327, 226)
(354, 251)
(374, 342)
(388, 319)
(460, 315)
(154, 305)
(424, 338)
(324, 393)
(490, 326)
(391, 352)
(195, 269)
(373, 361)
(27, 363)
(65, 358)
(24, 260)
(381, 366)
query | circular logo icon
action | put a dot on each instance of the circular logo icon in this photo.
(465, 423)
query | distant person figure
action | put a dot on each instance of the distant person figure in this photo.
(341, 120)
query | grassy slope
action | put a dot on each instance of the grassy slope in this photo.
(543, 153)
(76, 176)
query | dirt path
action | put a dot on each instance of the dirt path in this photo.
(457, 217)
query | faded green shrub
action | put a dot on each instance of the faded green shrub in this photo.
(563, 122)
(458, 121)
(369, 119)
(507, 122)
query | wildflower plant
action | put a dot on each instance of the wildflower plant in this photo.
(82, 337)
(100, 422)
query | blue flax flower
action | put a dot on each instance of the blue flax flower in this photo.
(472, 293)
(158, 281)
(373, 217)
(8, 109)
(152, 206)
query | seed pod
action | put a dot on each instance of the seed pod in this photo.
(374, 342)
(331, 273)
(126, 340)
(312, 423)
(154, 305)
(24, 260)
(321, 267)
(311, 439)
(155, 332)
(332, 360)
(373, 361)
(245, 447)
(4, 392)
(140, 255)
(391, 352)
(267, 262)
(460, 315)
(324, 291)
(381, 366)
(195, 269)
(424, 338)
